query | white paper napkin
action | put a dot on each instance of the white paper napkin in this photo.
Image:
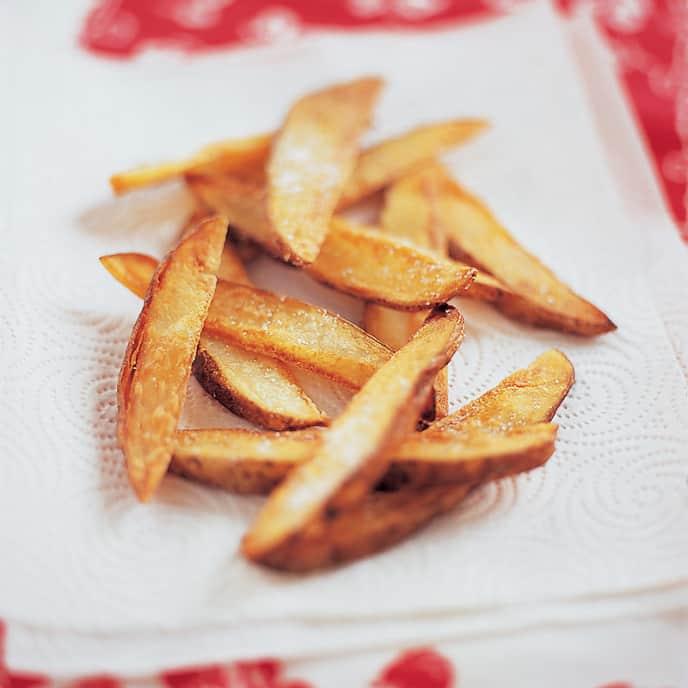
(91, 580)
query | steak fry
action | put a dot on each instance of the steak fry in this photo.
(280, 327)
(540, 298)
(312, 157)
(389, 160)
(354, 452)
(259, 388)
(356, 260)
(408, 215)
(161, 350)
(250, 462)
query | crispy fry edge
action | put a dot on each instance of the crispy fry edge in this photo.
(145, 427)
(324, 484)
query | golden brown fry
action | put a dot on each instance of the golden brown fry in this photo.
(384, 518)
(258, 388)
(245, 249)
(474, 231)
(133, 270)
(157, 363)
(381, 520)
(389, 160)
(283, 327)
(231, 266)
(530, 395)
(412, 209)
(292, 330)
(244, 203)
(377, 166)
(354, 451)
(367, 263)
(408, 214)
(311, 159)
(354, 259)
(394, 328)
(517, 410)
(516, 306)
(243, 197)
(217, 158)
(256, 462)
(509, 423)
(242, 461)
(469, 457)
(217, 457)
(408, 211)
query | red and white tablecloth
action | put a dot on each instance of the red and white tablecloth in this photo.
(648, 41)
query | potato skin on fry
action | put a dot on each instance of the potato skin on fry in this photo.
(158, 359)
(244, 198)
(385, 518)
(312, 157)
(507, 426)
(533, 293)
(353, 452)
(258, 388)
(469, 457)
(256, 462)
(278, 327)
(441, 395)
(381, 520)
(241, 461)
(519, 307)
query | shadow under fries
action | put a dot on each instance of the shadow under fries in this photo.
(153, 215)
(328, 396)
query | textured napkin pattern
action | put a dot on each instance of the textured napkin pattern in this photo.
(606, 516)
